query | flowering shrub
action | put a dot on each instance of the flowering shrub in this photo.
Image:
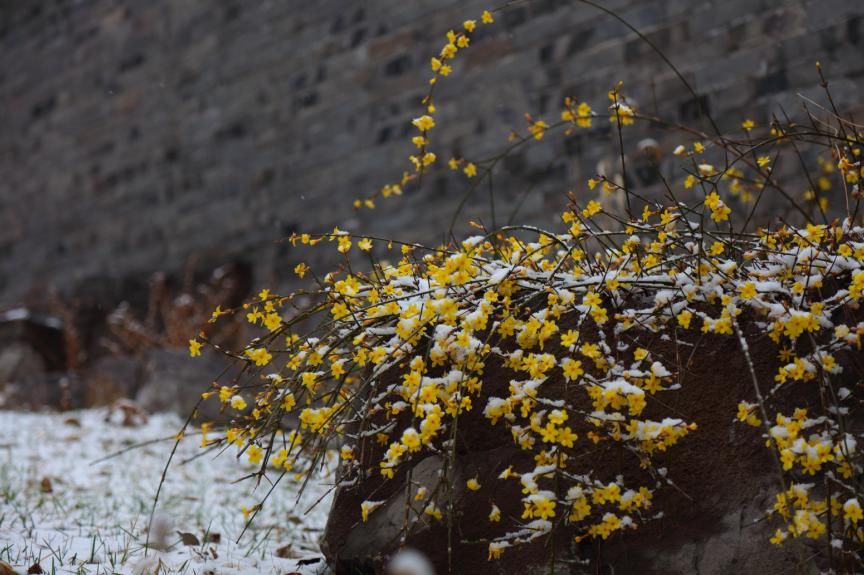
(562, 338)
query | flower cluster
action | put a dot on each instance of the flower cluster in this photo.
(424, 158)
(547, 314)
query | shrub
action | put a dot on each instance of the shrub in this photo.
(569, 339)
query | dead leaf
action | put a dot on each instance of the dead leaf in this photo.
(6, 569)
(45, 487)
(35, 569)
(188, 539)
(214, 538)
(285, 552)
(73, 421)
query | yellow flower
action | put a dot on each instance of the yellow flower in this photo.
(572, 369)
(591, 299)
(433, 511)
(569, 338)
(368, 507)
(448, 52)
(486, 17)
(684, 318)
(566, 437)
(279, 460)
(259, 355)
(852, 511)
(365, 244)
(748, 125)
(469, 25)
(689, 181)
(424, 123)
(495, 514)
(248, 511)
(194, 348)
(558, 416)
(640, 353)
(470, 170)
(544, 507)
(238, 403)
(411, 439)
(581, 118)
(473, 484)
(538, 129)
(344, 244)
(496, 549)
(748, 290)
(218, 313)
(301, 269)
(591, 209)
(255, 454)
(272, 321)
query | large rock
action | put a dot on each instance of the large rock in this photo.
(111, 378)
(712, 521)
(172, 381)
(31, 346)
(23, 380)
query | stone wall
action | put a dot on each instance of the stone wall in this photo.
(136, 135)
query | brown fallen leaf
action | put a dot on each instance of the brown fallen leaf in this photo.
(6, 569)
(286, 552)
(188, 539)
(35, 569)
(73, 421)
(214, 538)
(45, 487)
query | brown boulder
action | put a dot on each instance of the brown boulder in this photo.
(712, 521)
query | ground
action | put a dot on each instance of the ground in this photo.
(65, 510)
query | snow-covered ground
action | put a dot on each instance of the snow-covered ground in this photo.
(70, 514)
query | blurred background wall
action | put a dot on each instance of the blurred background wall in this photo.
(142, 136)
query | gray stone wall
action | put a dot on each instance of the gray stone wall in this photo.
(136, 135)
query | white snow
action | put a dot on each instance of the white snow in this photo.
(60, 509)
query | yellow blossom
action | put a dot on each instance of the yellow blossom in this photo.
(194, 348)
(424, 123)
